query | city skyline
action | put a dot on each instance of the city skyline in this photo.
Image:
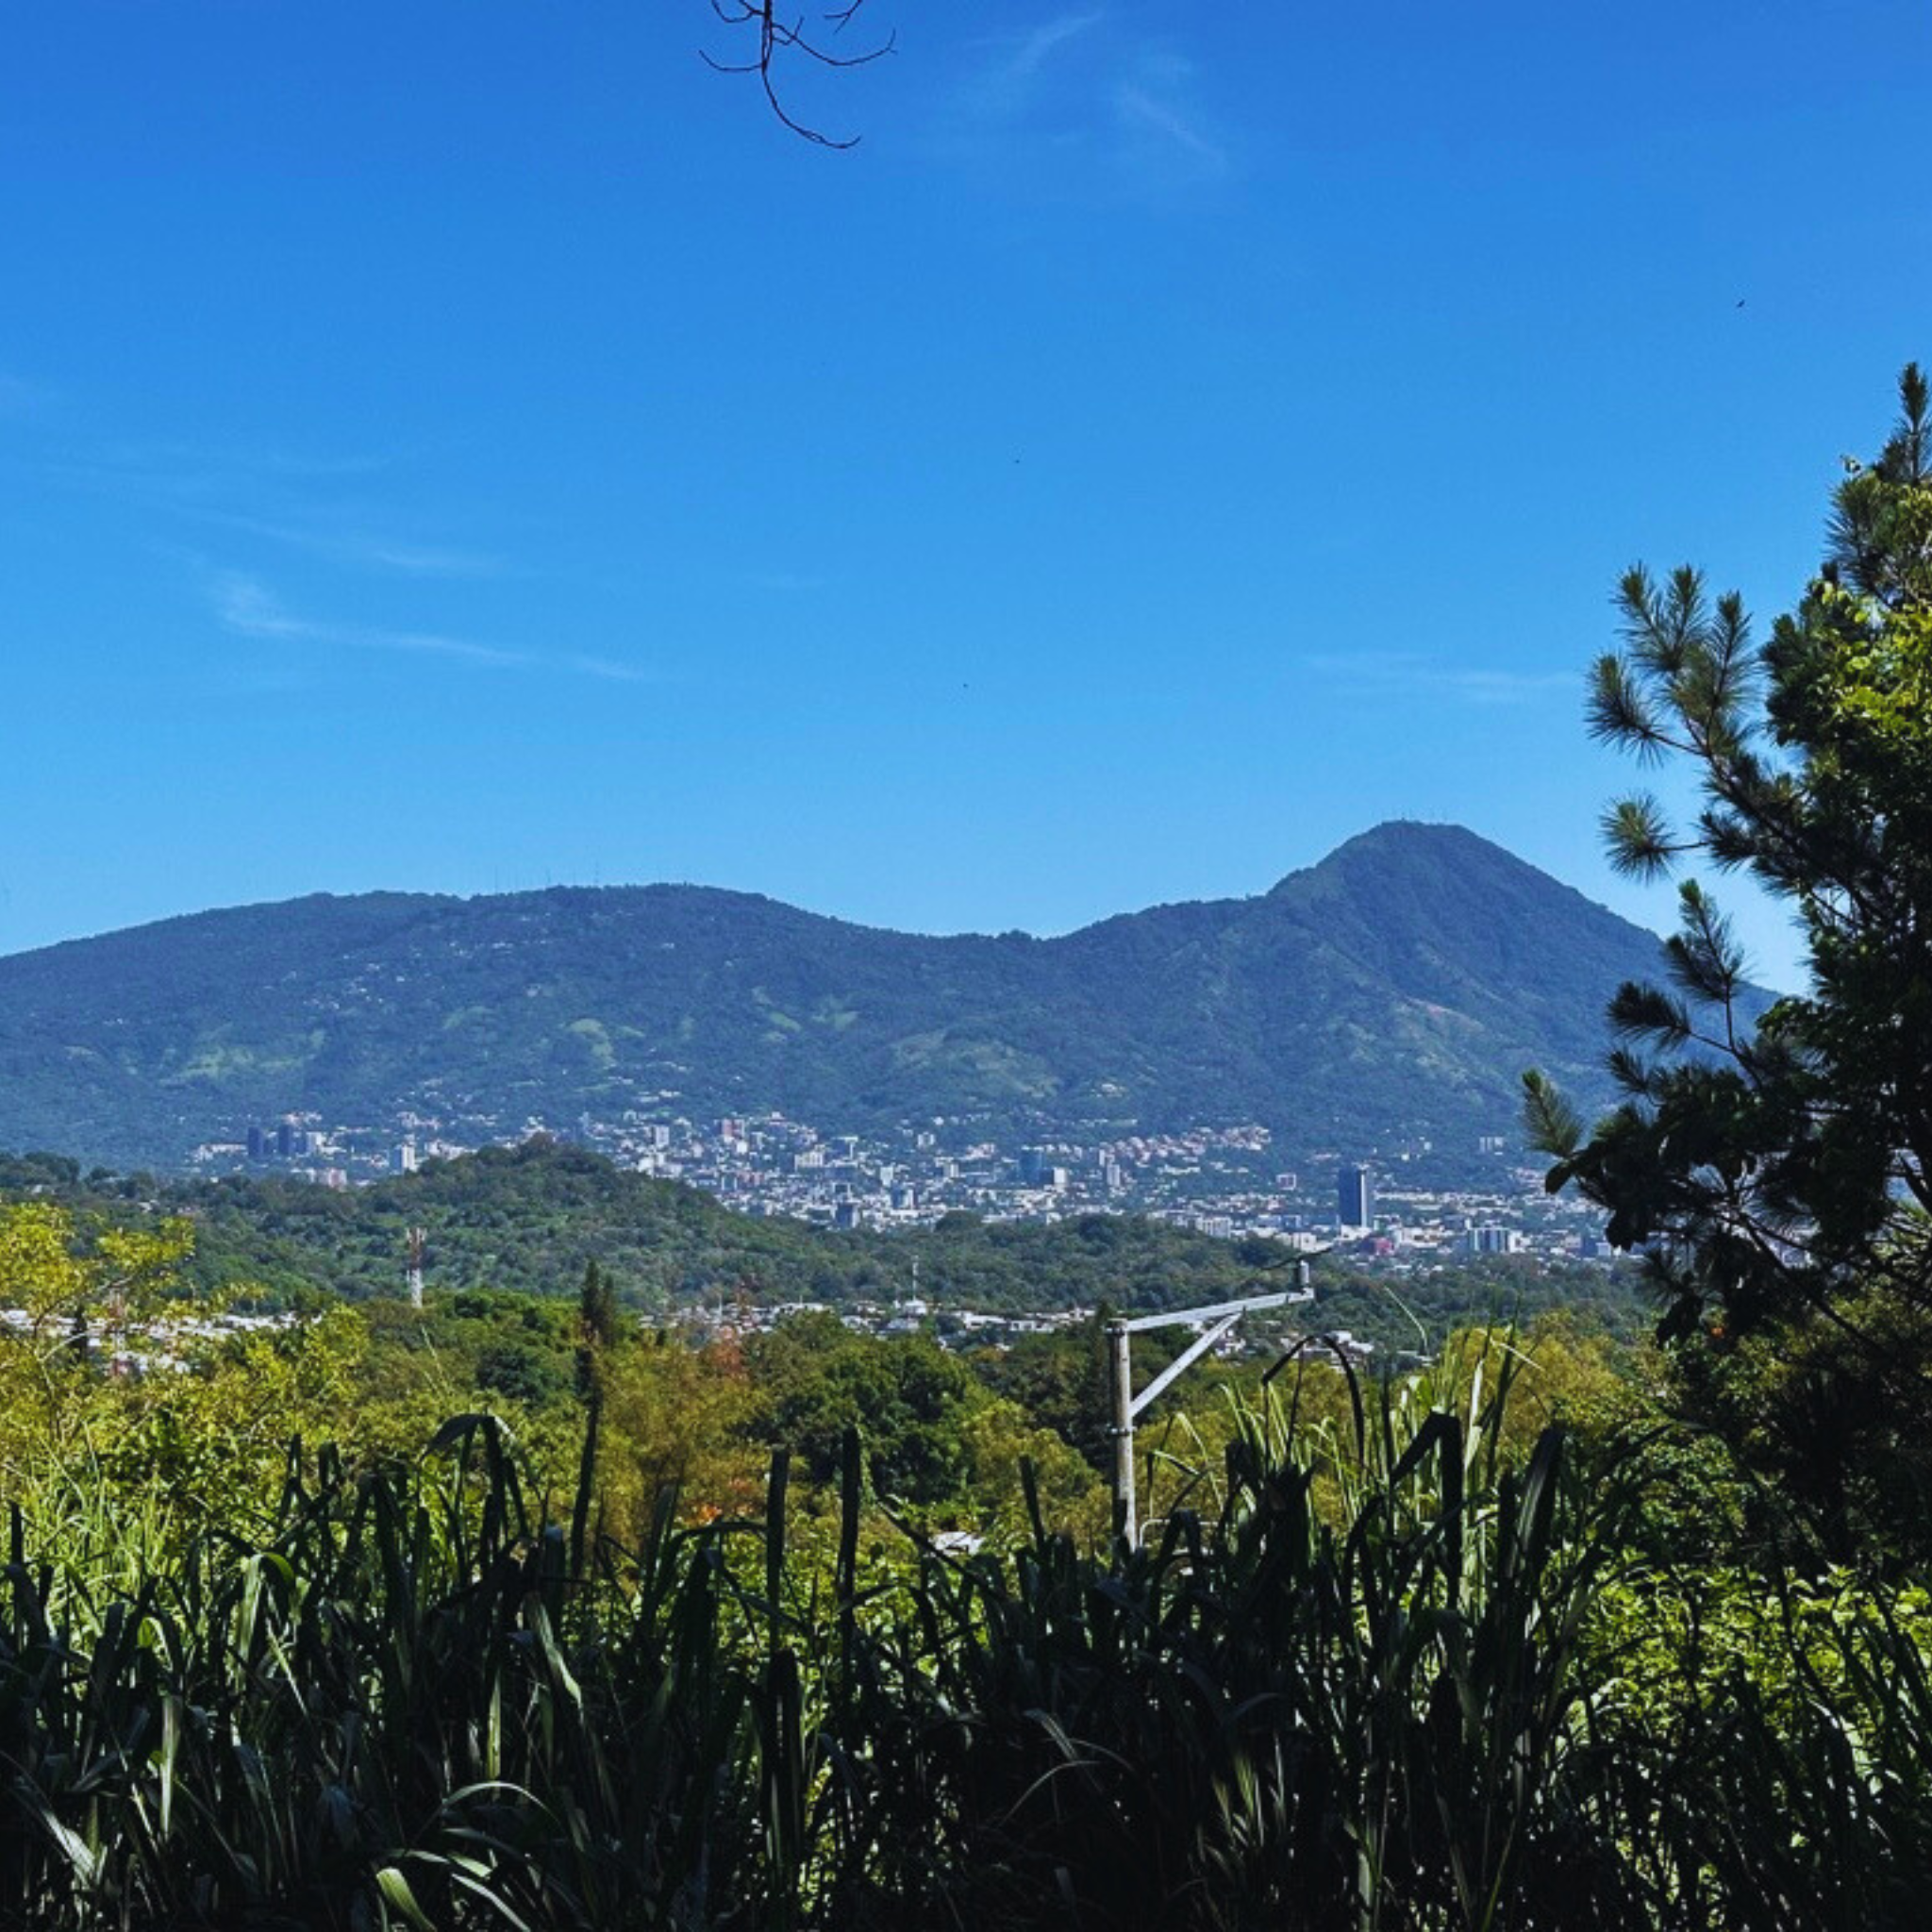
(1398, 1207)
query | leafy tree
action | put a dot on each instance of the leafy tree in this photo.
(1780, 1178)
(675, 1418)
(906, 1396)
(1060, 1380)
(521, 1374)
(116, 1390)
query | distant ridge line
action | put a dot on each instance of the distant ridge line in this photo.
(1395, 989)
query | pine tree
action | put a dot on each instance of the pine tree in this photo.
(1779, 1178)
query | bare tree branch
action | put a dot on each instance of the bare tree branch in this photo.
(779, 39)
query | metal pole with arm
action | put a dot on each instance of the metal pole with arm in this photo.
(1219, 1318)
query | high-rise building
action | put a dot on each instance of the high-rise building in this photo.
(257, 1145)
(1492, 1240)
(285, 1140)
(1355, 1201)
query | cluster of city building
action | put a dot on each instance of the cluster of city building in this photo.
(1223, 1181)
(303, 1147)
(125, 1347)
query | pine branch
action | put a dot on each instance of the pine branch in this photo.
(1551, 1125)
(1639, 837)
(1704, 957)
(1634, 1074)
(1647, 1012)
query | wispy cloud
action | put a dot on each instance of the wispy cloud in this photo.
(1484, 687)
(1081, 91)
(247, 608)
(1390, 673)
(609, 669)
(361, 545)
(1143, 112)
(197, 473)
(1010, 71)
(297, 502)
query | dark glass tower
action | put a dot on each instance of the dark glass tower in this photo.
(1355, 1201)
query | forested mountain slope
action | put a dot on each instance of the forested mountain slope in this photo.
(1398, 987)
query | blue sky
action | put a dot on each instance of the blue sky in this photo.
(466, 445)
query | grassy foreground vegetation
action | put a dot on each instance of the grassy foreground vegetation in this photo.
(669, 1636)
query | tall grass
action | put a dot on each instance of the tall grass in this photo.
(1374, 1682)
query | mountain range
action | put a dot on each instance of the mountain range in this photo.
(1394, 991)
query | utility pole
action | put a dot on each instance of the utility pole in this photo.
(1120, 1360)
(1221, 1318)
